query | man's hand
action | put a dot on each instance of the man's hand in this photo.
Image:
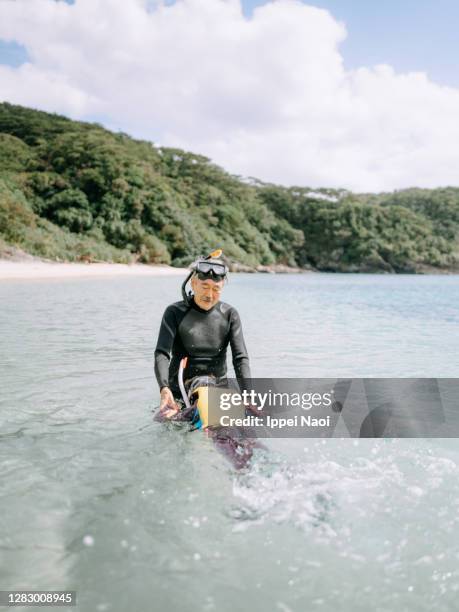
(168, 407)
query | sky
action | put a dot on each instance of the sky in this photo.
(410, 35)
(332, 93)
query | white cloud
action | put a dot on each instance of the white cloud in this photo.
(267, 96)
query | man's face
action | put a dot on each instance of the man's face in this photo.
(206, 292)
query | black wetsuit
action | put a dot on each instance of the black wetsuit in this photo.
(203, 336)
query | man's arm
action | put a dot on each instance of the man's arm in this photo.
(239, 351)
(164, 345)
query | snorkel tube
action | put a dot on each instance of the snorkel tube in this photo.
(186, 296)
(183, 363)
(196, 420)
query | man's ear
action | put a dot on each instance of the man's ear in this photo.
(193, 281)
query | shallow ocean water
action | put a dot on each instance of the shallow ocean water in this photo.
(133, 514)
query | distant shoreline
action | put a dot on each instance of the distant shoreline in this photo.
(36, 269)
(16, 264)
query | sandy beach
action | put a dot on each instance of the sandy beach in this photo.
(34, 270)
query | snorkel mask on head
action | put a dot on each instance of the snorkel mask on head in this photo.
(212, 267)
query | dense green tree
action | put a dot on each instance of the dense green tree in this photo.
(73, 190)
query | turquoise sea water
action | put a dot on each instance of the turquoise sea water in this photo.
(132, 514)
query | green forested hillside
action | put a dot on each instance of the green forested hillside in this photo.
(75, 191)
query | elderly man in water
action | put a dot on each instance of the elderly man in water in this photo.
(199, 327)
